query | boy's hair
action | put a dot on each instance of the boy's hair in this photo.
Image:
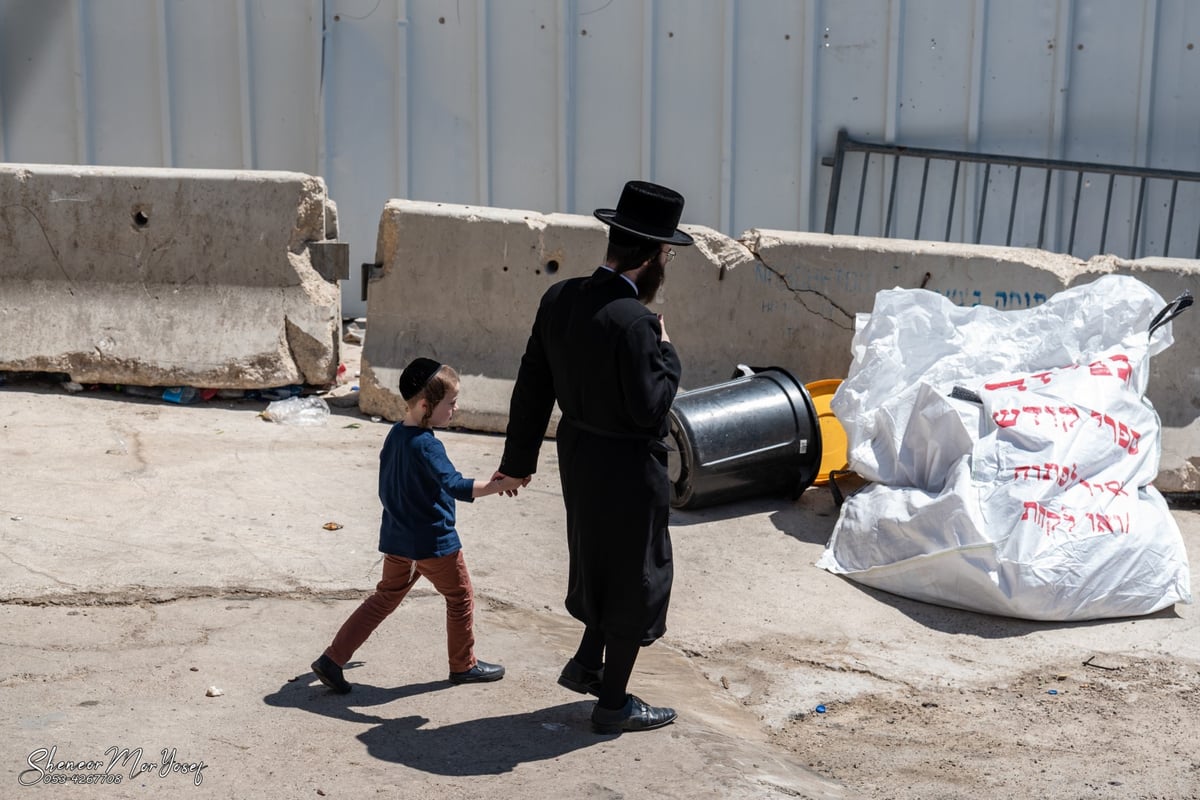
(442, 382)
(628, 252)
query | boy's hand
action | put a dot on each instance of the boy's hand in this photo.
(509, 486)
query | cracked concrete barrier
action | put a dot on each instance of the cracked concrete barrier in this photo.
(821, 282)
(169, 277)
(462, 284)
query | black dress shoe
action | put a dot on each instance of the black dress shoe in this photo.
(635, 716)
(482, 672)
(578, 678)
(330, 674)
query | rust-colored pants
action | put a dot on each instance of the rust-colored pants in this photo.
(448, 575)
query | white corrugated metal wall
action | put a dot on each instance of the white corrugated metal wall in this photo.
(553, 104)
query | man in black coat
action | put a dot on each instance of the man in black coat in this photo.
(607, 360)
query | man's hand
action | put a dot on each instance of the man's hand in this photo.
(663, 325)
(512, 484)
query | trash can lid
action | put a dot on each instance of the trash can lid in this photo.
(833, 435)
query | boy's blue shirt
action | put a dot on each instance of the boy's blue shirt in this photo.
(418, 486)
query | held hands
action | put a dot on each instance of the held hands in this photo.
(509, 486)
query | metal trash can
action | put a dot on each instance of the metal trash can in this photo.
(755, 434)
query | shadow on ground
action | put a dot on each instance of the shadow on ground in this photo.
(984, 626)
(484, 746)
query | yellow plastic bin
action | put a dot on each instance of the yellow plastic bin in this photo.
(833, 436)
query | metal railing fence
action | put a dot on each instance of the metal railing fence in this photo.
(1061, 189)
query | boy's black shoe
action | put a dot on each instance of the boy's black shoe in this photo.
(482, 672)
(330, 674)
(578, 678)
(635, 716)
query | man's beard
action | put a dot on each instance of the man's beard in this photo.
(650, 281)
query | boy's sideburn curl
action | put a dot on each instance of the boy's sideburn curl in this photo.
(442, 382)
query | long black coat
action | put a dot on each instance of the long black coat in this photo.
(597, 350)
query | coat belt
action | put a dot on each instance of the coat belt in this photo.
(635, 437)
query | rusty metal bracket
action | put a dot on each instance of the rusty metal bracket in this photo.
(331, 259)
(369, 273)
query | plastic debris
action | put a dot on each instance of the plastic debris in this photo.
(298, 411)
(140, 391)
(820, 709)
(279, 392)
(181, 395)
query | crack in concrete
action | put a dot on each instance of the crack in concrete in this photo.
(19, 678)
(57, 259)
(32, 570)
(853, 670)
(797, 294)
(146, 595)
(153, 596)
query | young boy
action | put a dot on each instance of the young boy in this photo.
(418, 486)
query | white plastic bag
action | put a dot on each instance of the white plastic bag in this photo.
(311, 410)
(1031, 498)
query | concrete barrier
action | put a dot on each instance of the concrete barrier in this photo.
(167, 277)
(462, 283)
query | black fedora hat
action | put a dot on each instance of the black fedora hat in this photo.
(649, 211)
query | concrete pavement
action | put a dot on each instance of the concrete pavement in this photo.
(152, 553)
